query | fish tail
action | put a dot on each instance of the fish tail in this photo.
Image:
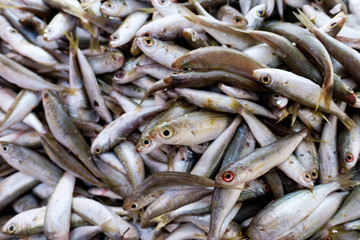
(347, 121)
(88, 27)
(235, 105)
(326, 96)
(70, 91)
(104, 87)
(162, 220)
(147, 10)
(304, 20)
(94, 43)
(345, 180)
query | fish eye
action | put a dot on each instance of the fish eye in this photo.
(149, 41)
(349, 157)
(114, 58)
(167, 132)
(276, 96)
(11, 229)
(265, 79)
(13, 30)
(109, 4)
(162, 1)
(333, 24)
(319, 1)
(307, 177)
(97, 150)
(133, 206)
(350, 90)
(146, 142)
(48, 30)
(266, 187)
(228, 176)
(5, 148)
(261, 13)
(120, 74)
(236, 19)
(186, 68)
(314, 174)
(114, 37)
(46, 95)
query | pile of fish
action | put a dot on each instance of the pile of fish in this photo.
(165, 119)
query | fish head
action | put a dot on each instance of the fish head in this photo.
(110, 8)
(6, 149)
(11, 228)
(11, 34)
(117, 59)
(264, 76)
(228, 177)
(347, 160)
(50, 33)
(165, 132)
(144, 144)
(147, 44)
(183, 63)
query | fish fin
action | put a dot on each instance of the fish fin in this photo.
(284, 114)
(74, 43)
(347, 121)
(135, 50)
(94, 44)
(86, 5)
(304, 20)
(88, 26)
(326, 95)
(294, 109)
(162, 220)
(320, 114)
(192, 17)
(147, 10)
(104, 87)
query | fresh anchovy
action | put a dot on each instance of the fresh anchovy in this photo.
(167, 28)
(22, 105)
(243, 170)
(190, 129)
(121, 127)
(218, 58)
(61, 23)
(161, 52)
(159, 183)
(65, 131)
(128, 29)
(14, 186)
(30, 162)
(58, 210)
(111, 224)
